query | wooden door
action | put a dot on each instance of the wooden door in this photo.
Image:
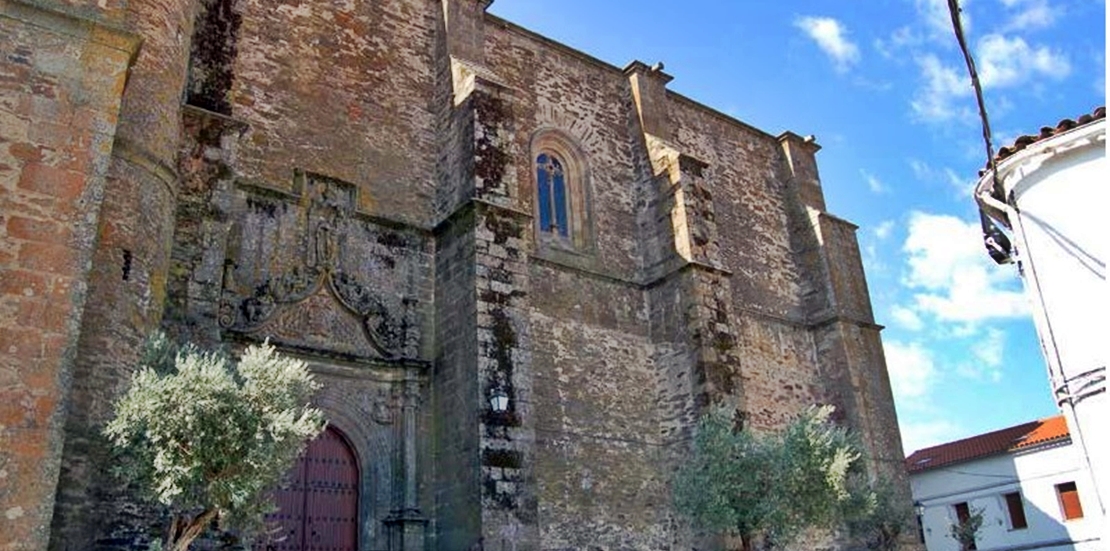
(318, 509)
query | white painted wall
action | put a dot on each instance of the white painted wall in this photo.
(983, 482)
(1057, 191)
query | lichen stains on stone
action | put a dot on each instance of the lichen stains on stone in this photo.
(500, 299)
(504, 228)
(212, 60)
(269, 208)
(391, 239)
(491, 161)
(504, 459)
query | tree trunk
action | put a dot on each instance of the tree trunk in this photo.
(183, 530)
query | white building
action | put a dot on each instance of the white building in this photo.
(1028, 482)
(1050, 191)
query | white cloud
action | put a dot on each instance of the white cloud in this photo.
(906, 318)
(1004, 62)
(989, 349)
(831, 36)
(971, 296)
(987, 352)
(883, 229)
(952, 277)
(921, 170)
(934, 102)
(873, 183)
(902, 38)
(938, 20)
(1030, 14)
(872, 264)
(912, 371)
(961, 186)
(917, 435)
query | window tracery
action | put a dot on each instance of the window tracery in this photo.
(551, 194)
(560, 193)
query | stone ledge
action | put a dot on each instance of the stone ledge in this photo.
(40, 14)
(473, 205)
(839, 318)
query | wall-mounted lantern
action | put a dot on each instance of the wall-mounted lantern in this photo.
(499, 400)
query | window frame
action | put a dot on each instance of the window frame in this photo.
(1062, 494)
(576, 183)
(552, 198)
(1014, 500)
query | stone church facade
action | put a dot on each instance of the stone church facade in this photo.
(433, 207)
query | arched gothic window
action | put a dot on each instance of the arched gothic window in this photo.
(561, 194)
(551, 194)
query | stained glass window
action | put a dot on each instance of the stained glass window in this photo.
(551, 195)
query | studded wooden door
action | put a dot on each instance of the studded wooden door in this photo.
(318, 510)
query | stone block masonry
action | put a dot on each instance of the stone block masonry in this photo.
(433, 207)
(61, 81)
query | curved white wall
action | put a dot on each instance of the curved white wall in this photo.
(1056, 191)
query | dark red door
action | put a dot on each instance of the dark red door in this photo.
(318, 510)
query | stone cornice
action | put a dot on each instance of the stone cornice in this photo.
(51, 17)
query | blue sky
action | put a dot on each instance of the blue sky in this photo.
(883, 87)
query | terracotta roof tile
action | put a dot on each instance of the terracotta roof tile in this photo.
(1023, 436)
(1049, 131)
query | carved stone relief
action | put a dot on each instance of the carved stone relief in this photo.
(302, 275)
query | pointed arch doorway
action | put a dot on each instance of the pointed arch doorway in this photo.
(318, 508)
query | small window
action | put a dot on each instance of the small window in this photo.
(560, 192)
(1069, 501)
(1016, 508)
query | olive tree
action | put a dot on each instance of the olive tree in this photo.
(966, 529)
(772, 486)
(881, 516)
(209, 437)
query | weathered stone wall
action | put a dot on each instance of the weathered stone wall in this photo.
(344, 89)
(750, 197)
(558, 89)
(61, 81)
(599, 442)
(128, 280)
(356, 181)
(745, 328)
(457, 398)
(311, 272)
(597, 446)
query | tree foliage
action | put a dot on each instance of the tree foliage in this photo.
(965, 530)
(881, 515)
(774, 485)
(209, 437)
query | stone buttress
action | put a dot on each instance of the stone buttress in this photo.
(372, 187)
(483, 459)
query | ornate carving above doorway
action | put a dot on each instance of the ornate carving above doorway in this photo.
(319, 275)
